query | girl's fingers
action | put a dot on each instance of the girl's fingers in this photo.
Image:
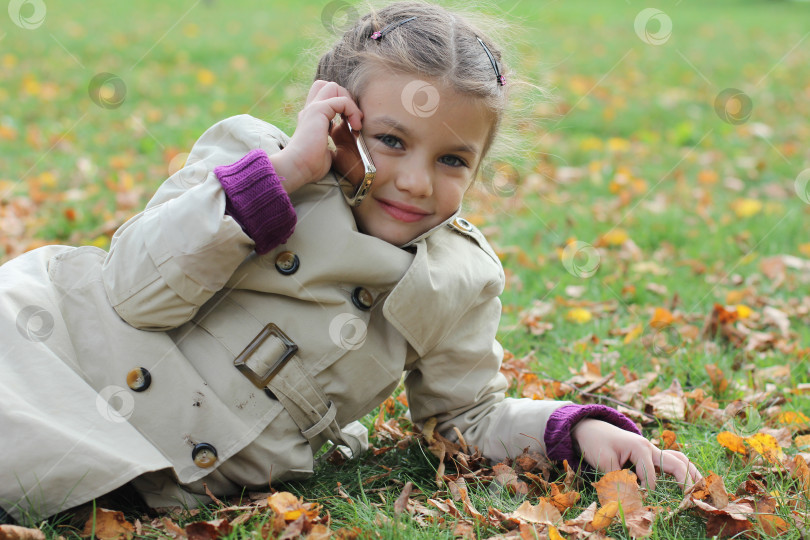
(349, 109)
(314, 89)
(679, 466)
(645, 469)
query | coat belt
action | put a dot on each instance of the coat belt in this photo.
(266, 356)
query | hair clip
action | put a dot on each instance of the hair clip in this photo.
(380, 33)
(498, 77)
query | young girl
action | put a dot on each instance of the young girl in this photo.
(249, 314)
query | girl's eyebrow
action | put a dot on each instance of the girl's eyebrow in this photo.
(393, 123)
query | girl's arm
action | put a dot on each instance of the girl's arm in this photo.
(167, 261)
(458, 381)
(208, 217)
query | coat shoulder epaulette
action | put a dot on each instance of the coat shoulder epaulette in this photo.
(467, 229)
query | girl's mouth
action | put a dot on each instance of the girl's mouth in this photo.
(402, 212)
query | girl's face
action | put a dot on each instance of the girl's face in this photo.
(426, 143)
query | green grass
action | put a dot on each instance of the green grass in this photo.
(62, 156)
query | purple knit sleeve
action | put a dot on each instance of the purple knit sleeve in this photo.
(255, 198)
(558, 438)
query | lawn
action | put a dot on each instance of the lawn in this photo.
(651, 211)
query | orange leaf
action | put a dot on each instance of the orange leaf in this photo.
(668, 438)
(108, 525)
(620, 486)
(14, 532)
(604, 516)
(731, 441)
(661, 318)
(793, 419)
(717, 377)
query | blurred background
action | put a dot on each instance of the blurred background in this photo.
(672, 148)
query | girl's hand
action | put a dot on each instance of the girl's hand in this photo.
(606, 447)
(307, 158)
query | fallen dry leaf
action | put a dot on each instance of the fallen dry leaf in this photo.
(620, 486)
(108, 525)
(14, 532)
(208, 530)
(731, 441)
(542, 512)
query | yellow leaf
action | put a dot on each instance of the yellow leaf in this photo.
(766, 446)
(604, 516)
(743, 311)
(804, 249)
(9, 61)
(578, 315)
(731, 441)
(633, 334)
(616, 144)
(206, 77)
(590, 143)
(553, 533)
(615, 237)
(793, 418)
(744, 208)
(802, 441)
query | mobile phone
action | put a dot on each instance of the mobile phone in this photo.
(352, 161)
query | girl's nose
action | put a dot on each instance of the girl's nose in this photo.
(415, 179)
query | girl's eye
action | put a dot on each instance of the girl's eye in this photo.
(455, 161)
(388, 140)
(392, 141)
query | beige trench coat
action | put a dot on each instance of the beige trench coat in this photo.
(182, 294)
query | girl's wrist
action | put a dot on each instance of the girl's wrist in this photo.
(284, 165)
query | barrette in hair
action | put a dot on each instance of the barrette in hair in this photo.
(380, 33)
(498, 77)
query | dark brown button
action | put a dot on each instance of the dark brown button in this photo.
(204, 455)
(462, 224)
(139, 379)
(287, 263)
(362, 298)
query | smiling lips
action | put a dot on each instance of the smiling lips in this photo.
(402, 212)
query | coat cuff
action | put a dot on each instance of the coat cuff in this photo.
(255, 198)
(558, 438)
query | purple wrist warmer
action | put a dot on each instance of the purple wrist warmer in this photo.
(558, 438)
(255, 198)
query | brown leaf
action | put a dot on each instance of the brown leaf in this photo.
(446, 506)
(506, 477)
(670, 403)
(402, 501)
(294, 528)
(108, 525)
(172, 529)
(319, 532)
(668, 440)
(14, 532)
(724, 526)
(542, 512)
(208, 530)
(620, 486)
(639, 523)
(563, 501)
(772, 525)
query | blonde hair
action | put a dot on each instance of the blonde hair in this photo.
(439, 44)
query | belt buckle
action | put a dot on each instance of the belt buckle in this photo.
(262, 380)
